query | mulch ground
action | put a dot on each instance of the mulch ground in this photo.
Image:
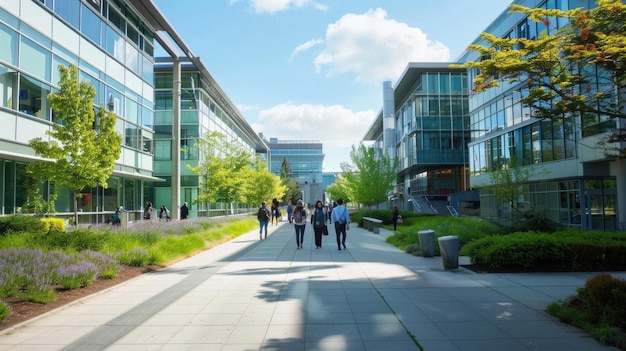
(24, 310)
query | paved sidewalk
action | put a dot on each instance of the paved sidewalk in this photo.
(266, 295)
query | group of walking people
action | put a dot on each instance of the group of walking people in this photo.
(164, 213)
(321, 216)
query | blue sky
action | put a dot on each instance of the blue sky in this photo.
(313, 69)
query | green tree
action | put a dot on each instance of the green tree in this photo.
(293, 191)
(285, 169)
(374, 177)
(340, 189)
(83, 146)
(222, 169)
(577, 71)
(508, 183)
(261, 184)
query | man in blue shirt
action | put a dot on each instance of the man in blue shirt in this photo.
(289, 211)
(341, 218)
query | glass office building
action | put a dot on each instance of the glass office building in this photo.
(204, 108)
(305, 157)
(573, 182)
(113, 43)
(112, 47)
(429, 132)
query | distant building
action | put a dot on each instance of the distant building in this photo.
(305, 158)
(424, 123)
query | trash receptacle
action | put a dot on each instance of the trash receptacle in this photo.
(124, 220)
(449, 247)
(427, 242)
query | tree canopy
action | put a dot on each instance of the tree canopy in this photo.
(82, 146)
(221, 169)
(261, 185)
(229, 173)
(292, 192)
(374, 176)
(576, 70)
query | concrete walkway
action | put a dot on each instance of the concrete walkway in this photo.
(266, 295)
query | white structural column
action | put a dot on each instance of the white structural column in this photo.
(389, 135)
(174, 208)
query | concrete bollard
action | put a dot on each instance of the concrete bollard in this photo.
(449, 247)
(427, 242)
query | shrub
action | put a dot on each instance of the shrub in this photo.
(38, 295)
(519, 251)
(136, 257)
(53, 225)
(607, 295)
(77, 275)
(413, 249)
(20, 224)
(106, 263)
(76, 240)
(5, 311)
(599, 308)
(533, 221)
(467, 229)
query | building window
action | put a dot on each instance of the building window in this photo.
(8, 43)
(90, 25)
(68, 10)
(35, 60)
(162, 150)
(33, 97)
(8, 82)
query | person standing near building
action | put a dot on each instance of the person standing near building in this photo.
(342, 223)
(264, 217)
(395, 213)
(184, 211)
(289, 211)
(164, 214)
(299, 222)
(147, 212)
(318, 220)
(275, 211)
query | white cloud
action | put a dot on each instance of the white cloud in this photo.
(374, 47)
(335, 126)
(304, 47)
(273, 6)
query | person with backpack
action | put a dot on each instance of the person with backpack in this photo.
(299, 222)
(342, 223)
(318, 220)
(289, 211)
(264, 217)
(275, 212)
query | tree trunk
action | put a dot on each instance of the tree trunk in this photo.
(620, 179)
(75, 210)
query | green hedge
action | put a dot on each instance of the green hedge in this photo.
(20, 224)
(567, 250)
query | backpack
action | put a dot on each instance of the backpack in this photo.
(263, 215)
(299, 216)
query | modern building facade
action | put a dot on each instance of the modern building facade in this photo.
(572, 182)
(448, 141)
(305, 158)
(112, 46)
(113, 43)
(428, 133)
(204, 108)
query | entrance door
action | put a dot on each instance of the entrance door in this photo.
(600, 211)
